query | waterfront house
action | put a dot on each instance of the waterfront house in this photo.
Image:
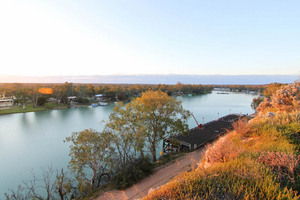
(6, 102)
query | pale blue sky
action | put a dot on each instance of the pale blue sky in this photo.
(149, 37)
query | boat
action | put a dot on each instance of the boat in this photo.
(222, 93)
(103, 104)
(94, 105)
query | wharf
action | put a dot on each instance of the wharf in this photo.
(200, 136)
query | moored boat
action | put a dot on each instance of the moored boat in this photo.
(103, 104)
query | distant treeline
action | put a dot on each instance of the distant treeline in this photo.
(120, 92)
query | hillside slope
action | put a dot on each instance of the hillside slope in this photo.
(258, 160)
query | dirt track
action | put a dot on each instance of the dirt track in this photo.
(160, 177)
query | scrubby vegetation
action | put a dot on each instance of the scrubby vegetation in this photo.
(258, 160)
(133, 172)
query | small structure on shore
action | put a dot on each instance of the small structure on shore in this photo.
(6, 102)
(72, 98)
(200, 136)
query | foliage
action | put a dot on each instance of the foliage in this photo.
(82, 100)
(41, 101)
(271, 89)
(255, 102)
(283, 163)
(90, 153)
(287, 99)
(161, 116)
(126, 133)
(132, 172)
(149, 118)
(241, 126)
(222, 151)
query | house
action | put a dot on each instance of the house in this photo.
(101, 97)
(6, 102)
(72, 98)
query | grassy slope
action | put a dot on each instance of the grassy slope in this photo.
(260, 163)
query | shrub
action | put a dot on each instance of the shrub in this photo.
(83, 100)
(222, 150)
(50, 106)
(241, 126)
(41, 101)
(286, 99)
(284, 164)
(136, 170)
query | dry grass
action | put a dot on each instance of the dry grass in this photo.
(222, 150)
(284, 164)
(241, 126)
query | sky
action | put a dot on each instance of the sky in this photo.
(157, 37)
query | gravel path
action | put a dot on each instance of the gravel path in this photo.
(162, 176)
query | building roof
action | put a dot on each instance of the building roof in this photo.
(209, 131)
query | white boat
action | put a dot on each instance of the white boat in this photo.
(103, 104)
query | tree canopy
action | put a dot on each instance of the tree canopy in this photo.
(89, 151)
(150, 118)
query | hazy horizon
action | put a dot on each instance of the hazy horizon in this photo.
(156, 79)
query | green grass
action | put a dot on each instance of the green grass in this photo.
(30, 108)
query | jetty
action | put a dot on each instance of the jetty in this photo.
(199, 137)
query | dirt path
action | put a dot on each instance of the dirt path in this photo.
(160, 177)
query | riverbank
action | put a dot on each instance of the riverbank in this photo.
(29, 108)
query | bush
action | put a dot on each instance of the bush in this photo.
(50, 106)
(241, 126)
(41, 101)
(133, 172)
(222, 150)
(284, 164)
(83, 100)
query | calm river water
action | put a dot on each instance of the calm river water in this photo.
(29, 141)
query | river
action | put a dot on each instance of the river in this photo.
(35, 140)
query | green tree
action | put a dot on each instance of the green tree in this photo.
(150, 118)
(81, 90)
(90, 155)
(62, 91)
(22, 95)
(126, 132)
(255, 102)
(35, 94)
